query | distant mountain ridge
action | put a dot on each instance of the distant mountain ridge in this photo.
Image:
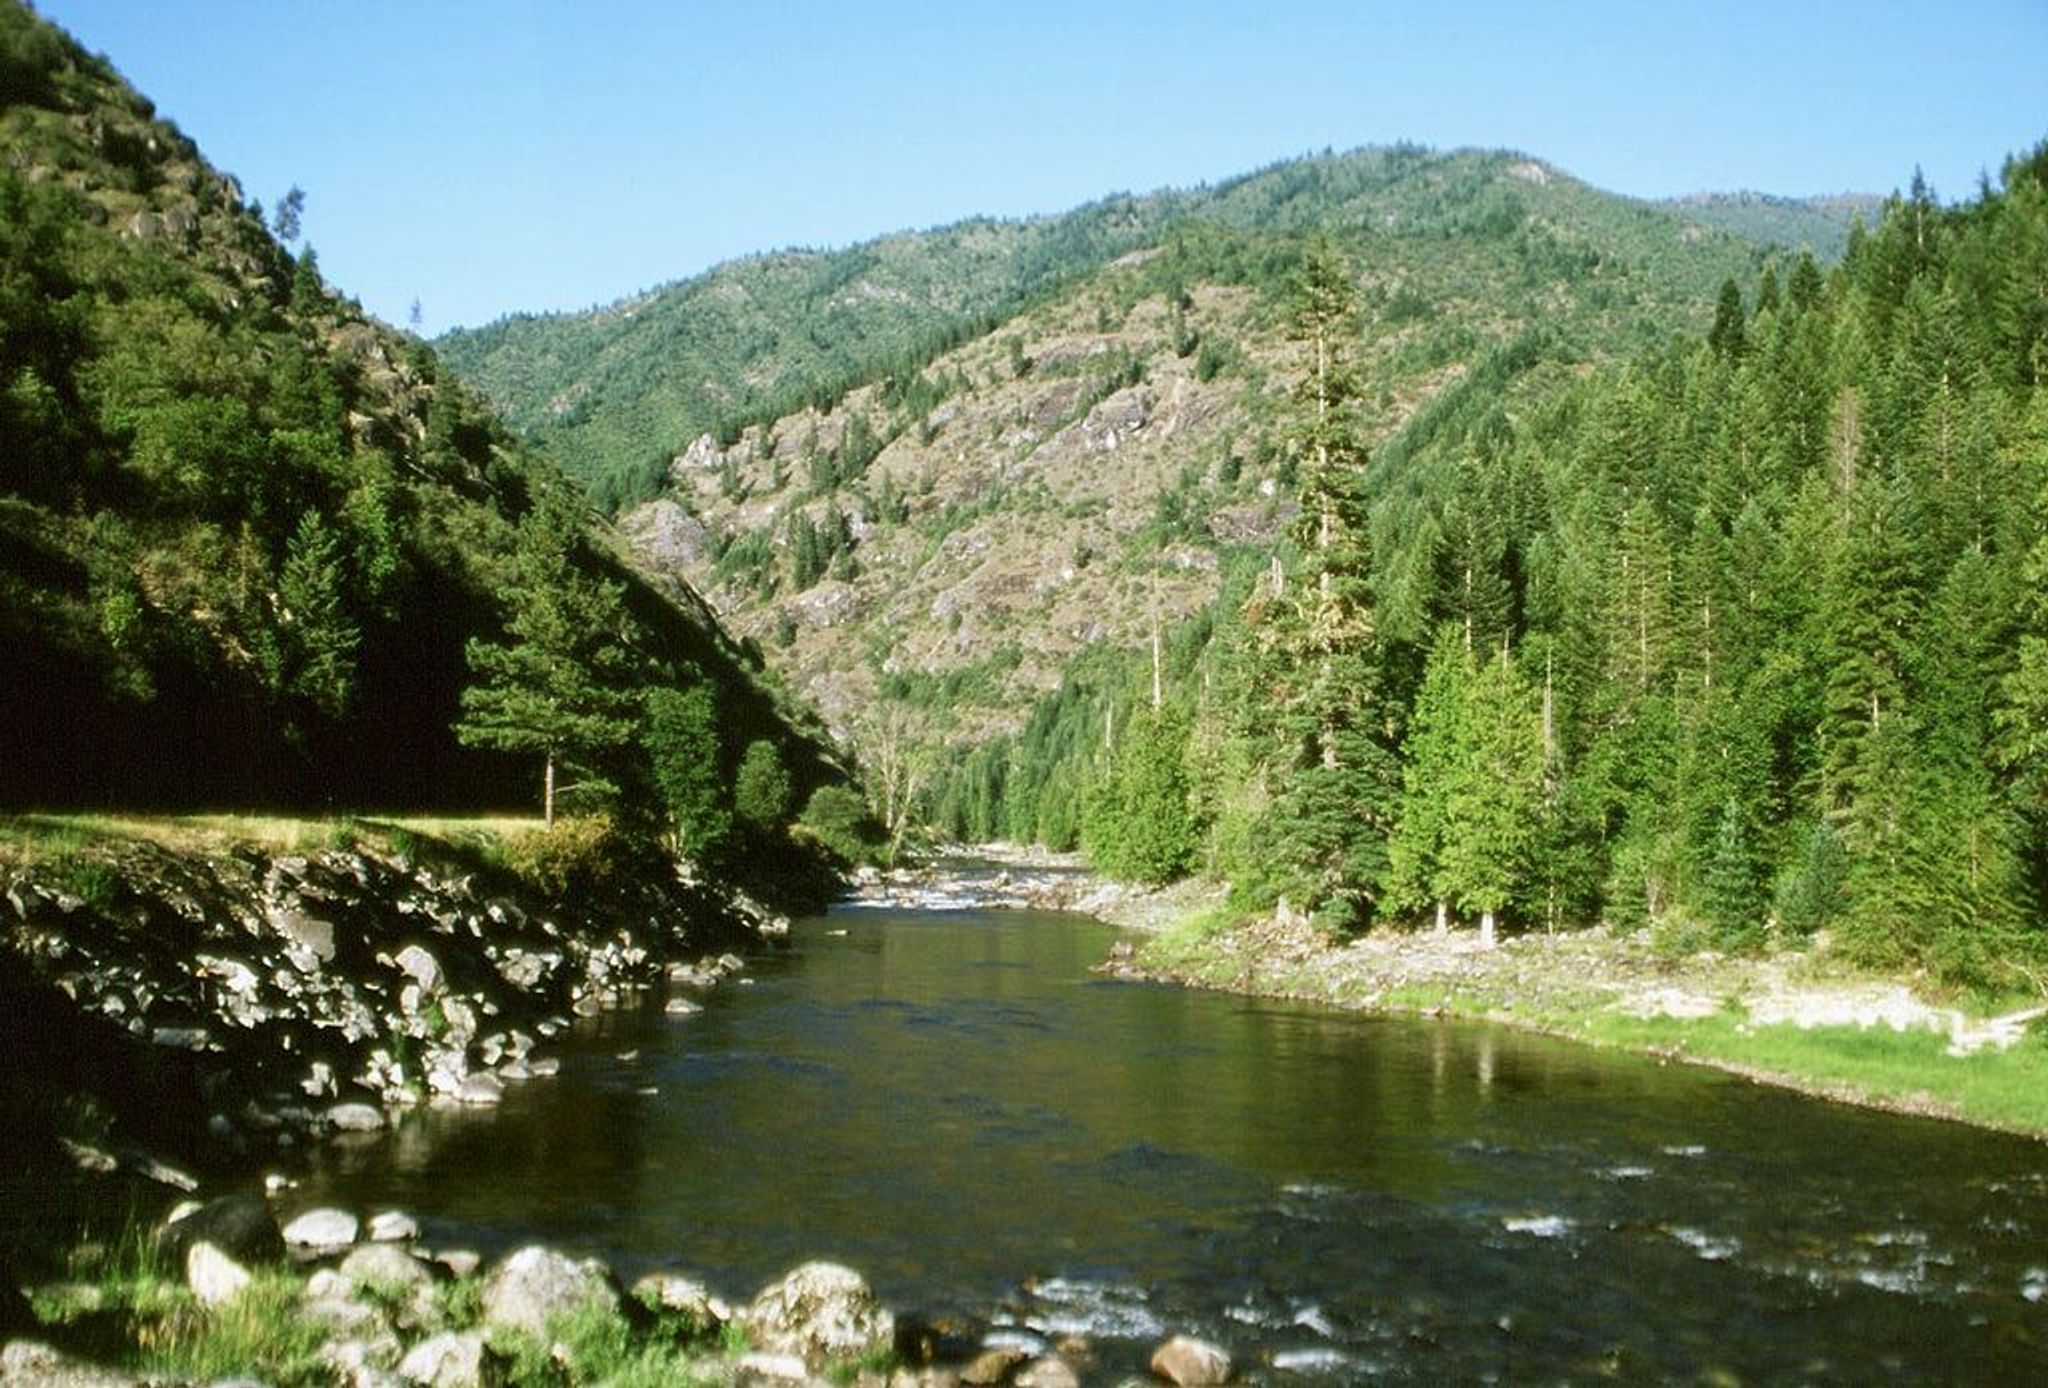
(613, 391)
(1820, 224)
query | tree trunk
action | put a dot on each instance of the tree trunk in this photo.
(1486, 930)
(547, 796)
(1443, 921)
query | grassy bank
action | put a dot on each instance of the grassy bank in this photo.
(1797, 1020)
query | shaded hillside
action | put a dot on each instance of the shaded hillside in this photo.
(245, 531)
(614, 391)
(1819, 224)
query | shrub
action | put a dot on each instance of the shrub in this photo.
(761, 790)
(839, 819)
(579, 853)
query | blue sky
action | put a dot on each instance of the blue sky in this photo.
(487, 158)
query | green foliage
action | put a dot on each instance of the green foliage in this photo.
(1138, 825)
(577, 854)
(839, 818)
(559, 687)
(681, 736)
(761, 790)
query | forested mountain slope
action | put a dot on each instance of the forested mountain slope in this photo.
(246, 533)
(1743, 639)
(1819, 224)
(616, 391)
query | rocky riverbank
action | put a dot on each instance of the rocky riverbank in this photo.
(177, 1014)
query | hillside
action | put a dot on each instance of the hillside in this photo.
(246, 532)
(1819, 224)
(926, 555)
(615, 391)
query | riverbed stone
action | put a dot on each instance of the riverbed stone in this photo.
(363, 1362)
(820, 1311)
(455, 1359)
(356, 1117)
(30, 1362)
(214, 1278)
(240, 1226)
(535, 1285)
(762, 1366)
(384, 1265)
(393, 1226)
(1048, 1372)
(678, 1295)
(323, 1230)
(993, 1366)
(1191, 1363)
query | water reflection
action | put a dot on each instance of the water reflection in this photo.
(956, 1105)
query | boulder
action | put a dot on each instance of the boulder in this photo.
(455, 1360)
(535, 1285)
(362, 1362)
(214, 1277)
(1191, 1363)
(678, 1295)
(385, 1266)
(29, 1362)
(1049, 1372)
(760, 1366)
(356, 1118)
(820, 1311)
(240, 1226)
(993, 1366)
(393, 1226)
(322, 1229)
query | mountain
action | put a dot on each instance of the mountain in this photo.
(616, 391)
(1819, 224)
(247, 533)
(926, 553)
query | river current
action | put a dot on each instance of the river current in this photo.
(952, 1102)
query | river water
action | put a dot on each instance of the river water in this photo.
(950, 1101)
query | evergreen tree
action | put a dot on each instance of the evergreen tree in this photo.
(319, 636)
(559, 686)
(1495, 805)
(1418, 875)
(1336, 782)
(761, 790)
(1727, 334)
(1139, 825)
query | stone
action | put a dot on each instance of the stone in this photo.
(28, 1362)
(1049, 1372)
(420, 965)
(683, 1296)
(993, 1366)
(481, 1091)
(460, 1262)
(240, 1226)
(761, 1366)
(927, 1339)
(363, 1363)
(682, 1007)
(393, 1226)
(322, 1229)
(386, 1266)
(820, 1311)
(356, 1118)
(535, 1285)
(214, 1277)
(454, 1359)
(1191, 1363)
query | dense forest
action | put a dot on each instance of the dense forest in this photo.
(257, 549)
(1743, 639)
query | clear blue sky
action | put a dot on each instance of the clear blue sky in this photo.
(548, 154)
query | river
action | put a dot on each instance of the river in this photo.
(950, 1101)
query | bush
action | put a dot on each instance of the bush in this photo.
(839, 819)
(761, 790)
(579, 853)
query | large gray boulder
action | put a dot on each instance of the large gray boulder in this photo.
(214, 1278)
(820, 1311)
(532, 1287)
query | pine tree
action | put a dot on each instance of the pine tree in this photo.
(1495, 805)
(319, 636)
(1335, 782)
(560, 685)
(684, 752)
(1418, 877)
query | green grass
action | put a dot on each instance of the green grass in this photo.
(1903, 1069)
(41, 838)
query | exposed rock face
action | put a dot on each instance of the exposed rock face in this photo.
(535, 1285)
(1191, 1363)
(820, 1311)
